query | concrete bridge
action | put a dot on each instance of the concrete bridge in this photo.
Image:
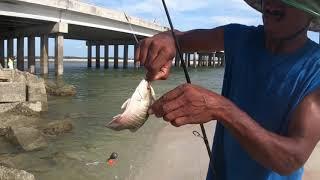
(66, 19)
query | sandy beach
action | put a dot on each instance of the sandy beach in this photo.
(186, 157)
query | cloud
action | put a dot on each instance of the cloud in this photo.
(222, 20)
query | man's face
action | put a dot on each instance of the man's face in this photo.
(281, 20)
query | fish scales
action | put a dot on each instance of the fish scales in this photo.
(135, 109)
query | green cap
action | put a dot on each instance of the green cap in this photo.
(310, 6)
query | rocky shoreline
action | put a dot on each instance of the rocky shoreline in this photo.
(23, 98)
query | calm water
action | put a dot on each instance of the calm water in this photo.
(100, 95)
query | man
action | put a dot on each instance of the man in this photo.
(11, 62)
(268, 119)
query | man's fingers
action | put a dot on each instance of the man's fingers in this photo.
(153, 52)
(173, 94)
(179, 121)
(172, 105)
(143, 51)
(157, 106)
(173, 115)
(163, 74)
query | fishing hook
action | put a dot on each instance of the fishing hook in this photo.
(204, 134)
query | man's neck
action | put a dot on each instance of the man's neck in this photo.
(277, 46)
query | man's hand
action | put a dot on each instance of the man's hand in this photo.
(190, 104)
(156, 54)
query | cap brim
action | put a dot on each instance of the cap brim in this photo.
(256, 4)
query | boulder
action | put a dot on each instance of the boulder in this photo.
(36, 90)
(28, 108)
(60, 89)
(11, 120)
(57, 128)
(7, 107)
(4, 131)
(28, 138)
(14, 174)
(6, 75)
(22, 93)
(12, 92)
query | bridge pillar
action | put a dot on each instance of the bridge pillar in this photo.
(106, 56)
(189, 59)
(59, 41)
(116, 57)
(2, 62)
(20, 53)
(177, 60)
(9, 48)
(44, 58)
(210, 60)
(195, 60)
(125, 56)
(200, 60)
(31, 55)
(89, 45)
(214, 59)
(97, 56)
(207, 60)
(135, 46)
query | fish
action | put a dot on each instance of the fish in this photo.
(135, 112)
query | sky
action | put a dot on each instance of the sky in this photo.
(185, 14)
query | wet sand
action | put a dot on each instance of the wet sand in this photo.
(179, 155)
(186, 157)
(312, 167)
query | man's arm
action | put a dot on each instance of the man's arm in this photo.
(191, 104)
(281, 154)
(202, 40)
(156, 53)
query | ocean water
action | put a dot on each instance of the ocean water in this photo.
(82, 154)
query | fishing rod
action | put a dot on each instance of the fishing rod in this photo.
(204, 134)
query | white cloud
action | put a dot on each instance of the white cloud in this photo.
(222, 20)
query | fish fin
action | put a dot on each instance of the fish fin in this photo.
(133, 130)
(153, 94)
(141, 97)
(117, 116)
(125, 104)
(115, 124)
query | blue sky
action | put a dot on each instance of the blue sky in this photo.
(189, 14)
(186, 15)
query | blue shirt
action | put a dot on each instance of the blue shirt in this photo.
(267, 87)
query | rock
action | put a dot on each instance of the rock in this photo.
(4, 131)
(22, 93)
(7, 163)
(10, 120)
(6, 107)
(36, 90)
(24, 108)
(57, 127)
(28, 138)
(6, 75)
(14, 174)
(60, 89)
(28, 108)
(12, 92)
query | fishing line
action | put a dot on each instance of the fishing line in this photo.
(204, 134)
(129, 23)
(132, 32)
